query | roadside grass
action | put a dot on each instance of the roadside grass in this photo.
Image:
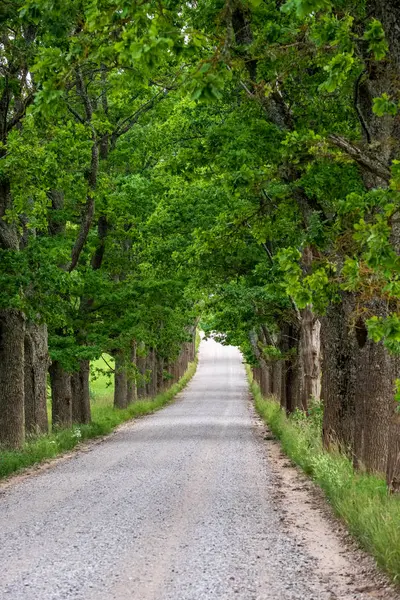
(361, 501)
(104, 419)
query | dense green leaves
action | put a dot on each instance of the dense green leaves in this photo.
(194, 152)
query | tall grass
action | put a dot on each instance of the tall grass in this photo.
(104, 419)
(362, 501)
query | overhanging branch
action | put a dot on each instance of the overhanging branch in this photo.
(365, 160)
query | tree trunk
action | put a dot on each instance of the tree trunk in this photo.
(376, 372)
(120, 382)
(141, 365)
(338, 377)
(265, 379)
(388, 12)
(170, 378)
(393, 464)
(277, 379)
(61, 396)
(132, 387)
(36, 360)
(309, 359)
(12, 334)
(81, 394)
(160, 375)
(151, 387)
(289, 341)
(193, 345)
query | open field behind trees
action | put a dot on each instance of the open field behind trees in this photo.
(231, 161)
(101, 381)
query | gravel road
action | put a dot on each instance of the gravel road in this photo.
(180, 505)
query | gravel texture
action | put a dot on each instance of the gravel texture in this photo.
(180, 505)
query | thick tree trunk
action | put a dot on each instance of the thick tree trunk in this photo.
(338, 377)
(81, 412)
(376, 372)
(61, 396)
(309, 359)
(277, 379)
(12, 334)
(357, 387)
(36, 362)
(265, 379)
(120, 382)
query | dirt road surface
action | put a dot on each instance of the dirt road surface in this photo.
(191, 503)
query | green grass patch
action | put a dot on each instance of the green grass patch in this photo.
(102, 380)
(362, 501)
(104, 419)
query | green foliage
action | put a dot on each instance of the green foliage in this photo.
(384, 106)
(305, 8)
(375, 36)
(337, 70)
(386, 329)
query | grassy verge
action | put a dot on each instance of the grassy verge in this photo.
(105, 419)
(362, 501)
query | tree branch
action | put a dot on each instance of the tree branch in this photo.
(88, 210)
(76, 114)
(361, 157)
(17, 118)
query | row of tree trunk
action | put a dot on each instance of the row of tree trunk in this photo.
(332, 359)
(146, 373)
(24, 369)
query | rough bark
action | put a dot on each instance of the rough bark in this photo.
(393, 463)
(152, 365)
(289, 341)
(12, 335)
(141, 363)
(358, 374)
(309, 358)
(132, 387)
(120, 382)
(81, 412)
(265, 379)
(376, 371)
(36, 363)
(61, 396)
(56, 220)
(388, 13)
(338, 377)
(160, 374)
